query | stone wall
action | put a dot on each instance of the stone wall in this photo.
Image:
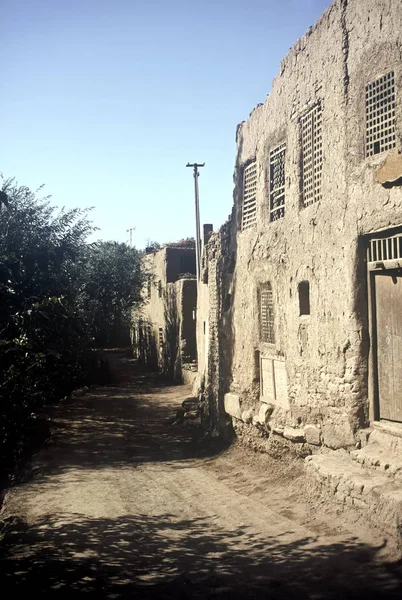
(319, 361)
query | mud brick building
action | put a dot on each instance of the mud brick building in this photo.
(164, 333)
(300, 304)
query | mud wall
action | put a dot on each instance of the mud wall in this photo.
(165, 329)
(318, 361)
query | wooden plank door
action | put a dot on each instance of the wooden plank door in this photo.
(388, 300)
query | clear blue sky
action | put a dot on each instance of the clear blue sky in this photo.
(106, 101)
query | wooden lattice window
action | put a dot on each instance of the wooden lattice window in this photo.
(380, 115)
(311, 147)
(267, 314)
(249, 216)
(385, 248)
(277, 183)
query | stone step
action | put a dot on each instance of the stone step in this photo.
(388, 436)
(376, 456)
(382, 449)
(336, 477)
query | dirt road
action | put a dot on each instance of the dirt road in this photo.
(122, 504)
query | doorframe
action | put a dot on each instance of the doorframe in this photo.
(373, 393)
(373, 268)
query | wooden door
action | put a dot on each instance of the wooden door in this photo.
(388, 304)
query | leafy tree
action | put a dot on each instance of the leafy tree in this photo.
(188, 242)
(152, 245)
(113, 283)
(59, 296)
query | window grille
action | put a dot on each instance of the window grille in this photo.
(380, 115)
(311, 142)
(160, 337)
(249, 196)
(386, 248)
(267, 314)
(277, 183)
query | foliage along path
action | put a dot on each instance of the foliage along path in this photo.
(120, 504)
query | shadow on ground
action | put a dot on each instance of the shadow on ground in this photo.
(162, 557)
(124, 425)
(158, 555)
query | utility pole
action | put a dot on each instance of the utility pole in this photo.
(196, 174)
(130, 231)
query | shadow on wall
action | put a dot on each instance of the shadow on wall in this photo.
(171, 350)
(145, 346)
(222, 341)
(164, 556)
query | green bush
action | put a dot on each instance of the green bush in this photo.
(60, 297)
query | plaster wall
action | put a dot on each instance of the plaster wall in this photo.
(166, 323)
(323, 356)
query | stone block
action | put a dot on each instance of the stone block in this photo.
(247, 415)
(264, 413)
(277, 428)
(312, 434)
(360, 504)
(391, 171)
(232, 405)
(338, 434)
(294, 435)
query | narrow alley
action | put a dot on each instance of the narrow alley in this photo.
(121, 503)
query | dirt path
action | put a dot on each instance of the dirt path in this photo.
(121, 504)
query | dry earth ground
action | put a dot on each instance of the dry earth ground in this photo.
(120, 503)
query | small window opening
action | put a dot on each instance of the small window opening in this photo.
(304, 298)
(205, 328)
(160, 337)
(160, 289)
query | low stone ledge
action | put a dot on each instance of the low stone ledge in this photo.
(336, 477)
(294, 435)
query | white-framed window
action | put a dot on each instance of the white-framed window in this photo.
(380, 115)
(249, 216)
(311, 154)
(277, 183)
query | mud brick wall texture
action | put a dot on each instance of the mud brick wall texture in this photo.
(164, 331)
(310, 383)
